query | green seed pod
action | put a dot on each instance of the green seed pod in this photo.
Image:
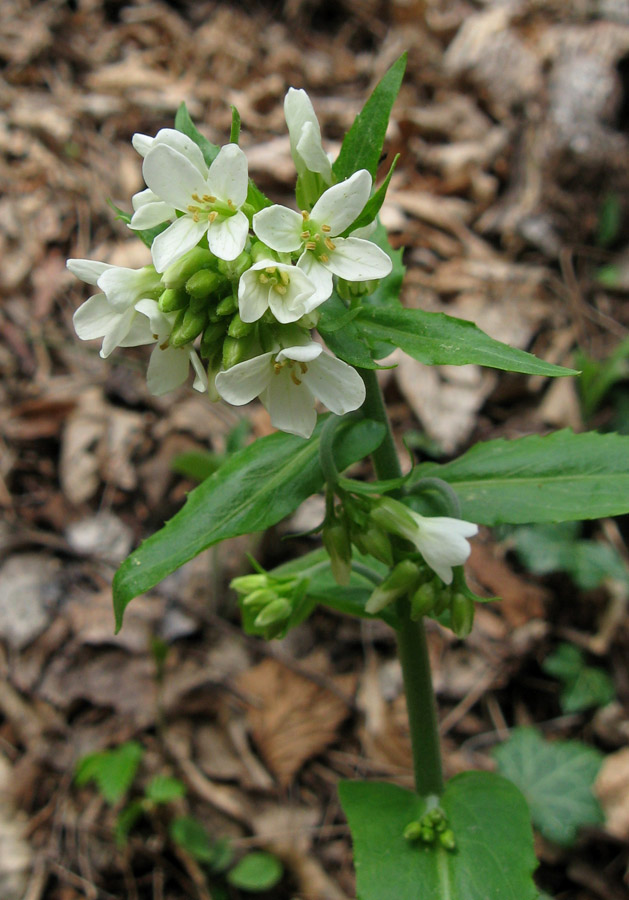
(173, 299)
(203, 283)
(413, 831)
(461, 615)
(190, 326)
(238, 328)
(275, 612)
(178, 273)
(336, 542)
(423, 601)
(447, 840)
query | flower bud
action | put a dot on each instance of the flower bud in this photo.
(443, 598)
(234, 268)
(374, 542)
(187, 327)
(275, 612)
(245, 584)
(227, 306)
(236, 350)
(212, 336)
(203, 283)
(447, 840)
(178, 273)
(172, 300)
(259, 598)
(400, 581)
(413, 831)
(423, 601)
(260, 251)
(427, 834)
(336, 542)
(238, 328)
(461, 615)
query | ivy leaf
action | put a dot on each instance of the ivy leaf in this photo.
(557, 478)
(165, 789)
(556, 777)
(190, 834)
(583, 686)
(491, 825)
(112, 770)
(255, 872)
(252, 490)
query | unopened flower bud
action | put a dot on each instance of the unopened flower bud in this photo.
(461, 615)
(427, 834)
(178, 273)
(413, 831)
(400, 581)
(260, 251)
(447, 840)
(227, 306)
(277, 611)
(238, 328)
(173, 299)
(212, 336)
(245, 584)
(187, 326)
(259, 599)
(423, 601)
(203, 283)
(236, 350)
(336, 542)
(374, 542)
(443, 598)
(234, 268)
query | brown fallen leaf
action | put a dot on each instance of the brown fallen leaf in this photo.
(521, 600)
(612, 789)
(292, 719)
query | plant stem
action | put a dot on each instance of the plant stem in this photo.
(412, 646)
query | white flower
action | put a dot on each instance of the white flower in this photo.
(441, 540)
(169, 366)
(285, 290)
(288, 382)
(149, 210)
(209, 198)
(112, 314)
(315, 233)
(305, 135)
(174, 139)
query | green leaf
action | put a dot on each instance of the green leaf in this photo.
(556, 777)
(252, 490)
(583, 686)
(437, 339)
(112, 770)
(126, 820)
(494, 844)
(184, 123)
(363, 143)
(561, 477)
(146, 235)
(192, 836)
(256, 872)
(374, 204)
(196, 464)
(165, 789)
(234, 134)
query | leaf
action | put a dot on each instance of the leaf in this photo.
(252, 490)
(438, 339)
(192, 836)
(557, 478)
(112, 770)
(184, 123)
(583, 686)
(363, 143)
(165, 789)
(196, 464)
(257, 871)
(146, 235)
(556, 777)
(494, 844)
(374, 204)
(126, 820)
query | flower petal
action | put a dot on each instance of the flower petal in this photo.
(245, 380)
(310, 150)
(125, 286)
(94, 318)
(290, 406)
(151, 214)
(172, 176)
(253, 297)
(301, 353)
(227, 235)
(88, 270)
(279, 227)
(228, 176)
(338, 386)
(320, 277)
(200, 382)
(118, 332)
(160, 324)
(341, 204)
(442, 542)
(139, 333)
(167, 370)
(181, 236)
(358, 260)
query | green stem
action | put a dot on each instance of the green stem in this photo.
(412, 647)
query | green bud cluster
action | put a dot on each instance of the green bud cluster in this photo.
(432, 829)
(268, 602)
(434, 598)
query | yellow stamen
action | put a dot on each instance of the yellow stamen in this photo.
(196, 197)
(193, 209)
(262, 278)
(271, 270)
(208, 198)
(305, 215)
(326, 228)
(294, 378)
(164, 345)
(305, 235)
(324, 258)
(329, 244)
(212, 216)
(278, 367)
(230, 203)
(285, 277)
(303, 367)
(311, 245)
(279, 288)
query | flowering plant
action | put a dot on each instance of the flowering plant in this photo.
(247, 293)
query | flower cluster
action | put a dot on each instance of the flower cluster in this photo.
(236, 283)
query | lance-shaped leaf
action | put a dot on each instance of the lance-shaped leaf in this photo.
(489, 818)
(253, 490)
(362, 145)
(558, 478)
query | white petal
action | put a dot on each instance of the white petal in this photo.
(88, 270)
(442, 542)
(358, 260)
(181, 236)
(253, 297)
(125, 286)
(310, 150)
(172, 176)
(290, 406)
(200, 382)
(142, 143)
(139, 333)
(118, 333)
(94, 318)
(228, 178)
(160, 324)
(227, 235)
(365, 231)
(184, 145)
(337, 385)
(279, 227)
(341, 204)
(304, 353)
(245, 380)
(167, 370)
(151, 214)
(320, 277)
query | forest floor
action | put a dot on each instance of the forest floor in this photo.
(511, 201)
